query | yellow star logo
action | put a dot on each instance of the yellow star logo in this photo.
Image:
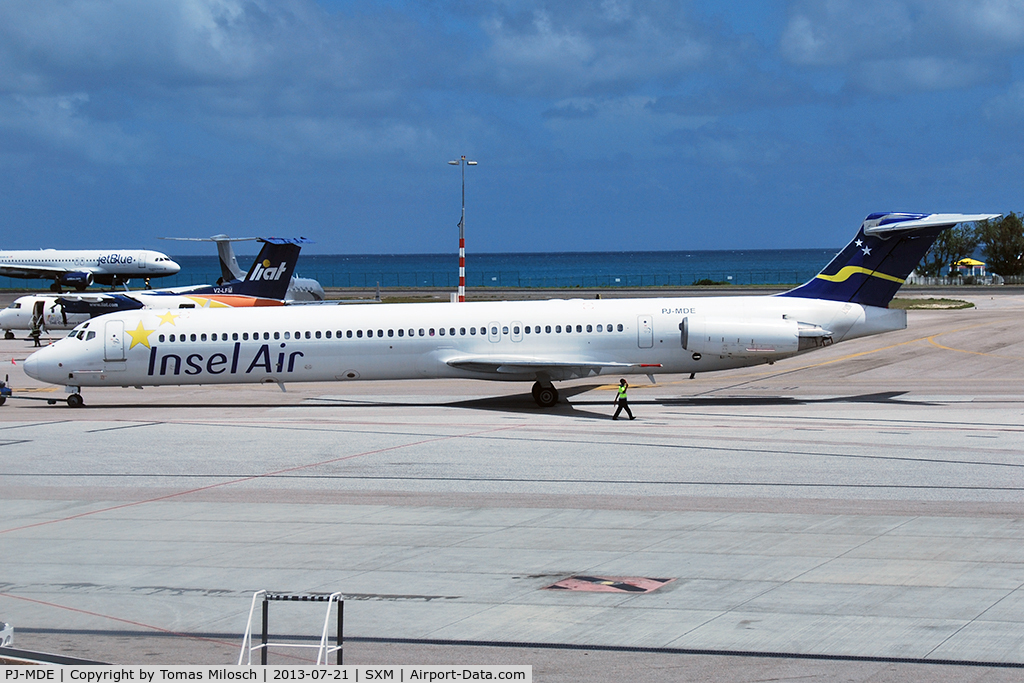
(168, 317)
(140, 335)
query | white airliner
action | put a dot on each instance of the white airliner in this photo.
(264, 285)
(81, 268)
(529, 341)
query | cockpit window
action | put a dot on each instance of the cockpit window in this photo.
(91, 335)
(15, 305)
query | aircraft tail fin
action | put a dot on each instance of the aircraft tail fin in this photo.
(229, 269)
(271, 272)
(887, 248)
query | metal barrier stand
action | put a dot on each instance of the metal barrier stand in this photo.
(324, 650)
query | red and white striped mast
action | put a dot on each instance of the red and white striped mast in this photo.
(462, 228)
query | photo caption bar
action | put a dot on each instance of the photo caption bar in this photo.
(262, 674)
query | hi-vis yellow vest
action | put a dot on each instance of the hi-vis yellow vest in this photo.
(622, 392)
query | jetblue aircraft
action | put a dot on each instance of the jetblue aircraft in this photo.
(266, 284)
(529, 341)
(81, 268)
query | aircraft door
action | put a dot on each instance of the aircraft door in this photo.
(113, 342)
(37, 314)
(141, 260)
(517, 331)
(645, 331)
(494, 332)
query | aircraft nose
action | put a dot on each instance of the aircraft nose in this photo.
(31, 366)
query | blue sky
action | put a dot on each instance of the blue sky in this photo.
(599, 125)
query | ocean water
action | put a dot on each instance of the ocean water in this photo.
(576, 269)
(569, 269)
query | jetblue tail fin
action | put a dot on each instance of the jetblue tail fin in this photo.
(876, 263)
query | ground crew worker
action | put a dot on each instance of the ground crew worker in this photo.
(36, 330)
(622, 401)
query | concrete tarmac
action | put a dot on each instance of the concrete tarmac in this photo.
(854, 513)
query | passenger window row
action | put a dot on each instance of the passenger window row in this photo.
(359, 334)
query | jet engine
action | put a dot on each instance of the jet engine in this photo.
(77, 280)
(771, 338)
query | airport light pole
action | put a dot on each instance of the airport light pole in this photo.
(463, 162)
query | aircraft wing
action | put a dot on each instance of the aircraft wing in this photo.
(23, 270)
(554, 368)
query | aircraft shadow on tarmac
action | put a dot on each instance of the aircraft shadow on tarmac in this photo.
(882, 397)
(523, 403)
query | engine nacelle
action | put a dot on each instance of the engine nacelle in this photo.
(768, 338)
(94, 305)
(77, 280)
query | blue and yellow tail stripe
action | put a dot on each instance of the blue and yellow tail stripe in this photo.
(846, 272)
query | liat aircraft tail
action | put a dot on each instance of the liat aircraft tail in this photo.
(271, 272)
(872, 267)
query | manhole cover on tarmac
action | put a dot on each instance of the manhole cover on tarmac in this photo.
(609, 584)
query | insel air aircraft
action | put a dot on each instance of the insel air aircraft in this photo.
(80, 268)
(541, 342)
(266, 284)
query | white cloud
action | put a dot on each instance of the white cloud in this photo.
(916, 44)
(57, 122)
(590, 48)
(624, 125)
(1008, 107)
(886, 76)
(213, 65)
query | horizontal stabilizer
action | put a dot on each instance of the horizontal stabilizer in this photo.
(883, 225)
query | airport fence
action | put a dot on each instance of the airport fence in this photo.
(503, 279)
(506, 279)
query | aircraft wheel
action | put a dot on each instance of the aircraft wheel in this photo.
(9, 334)
(545, 396)
(3, 400)
(75, 401)
(55, 287)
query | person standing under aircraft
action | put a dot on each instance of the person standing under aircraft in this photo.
(623, 402)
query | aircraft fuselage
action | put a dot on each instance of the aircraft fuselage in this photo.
(565, 339)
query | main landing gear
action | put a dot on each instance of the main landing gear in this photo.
(545, 395)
